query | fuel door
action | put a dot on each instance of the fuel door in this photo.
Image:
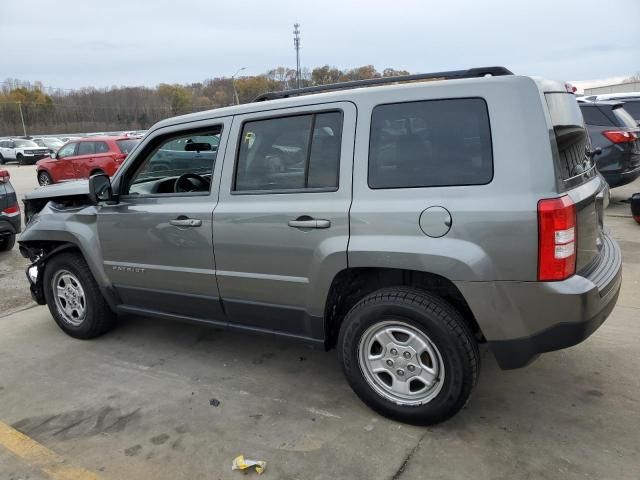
(435, 221)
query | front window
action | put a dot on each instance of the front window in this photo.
(67, 151)
(180, 164)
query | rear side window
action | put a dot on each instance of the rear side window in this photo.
(86, 148)
(623, 117)
(593, 116)
(290, 153)
(432, 143)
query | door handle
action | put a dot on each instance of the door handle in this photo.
(310, 223)
(186, 222)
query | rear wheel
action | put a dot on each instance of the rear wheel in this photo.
(74, 298)
(409, 355)
(96, 172)
(7, 243)
(44, 178)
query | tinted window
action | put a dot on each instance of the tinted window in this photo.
(593, 116)
(126, 146)
(430, 143)
(633, 108)
(290, 153)
(623, 117)
(86, 148)
(101, 147)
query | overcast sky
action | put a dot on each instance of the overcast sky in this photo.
(73, 43)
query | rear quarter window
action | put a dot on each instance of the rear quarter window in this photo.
(430, 143)
(623, 116)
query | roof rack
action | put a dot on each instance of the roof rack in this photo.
(450, 75)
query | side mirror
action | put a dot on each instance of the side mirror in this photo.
(100, 188)
(53, 154)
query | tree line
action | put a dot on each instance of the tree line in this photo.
(47, 110)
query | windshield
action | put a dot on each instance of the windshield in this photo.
(25, 143)
(126, 146)
(54, 142)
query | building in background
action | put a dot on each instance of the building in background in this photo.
(624, 87)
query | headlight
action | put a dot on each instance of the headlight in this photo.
(33, 274)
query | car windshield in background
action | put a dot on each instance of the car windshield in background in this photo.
(126, 146)
(25, 143)
(624, 117)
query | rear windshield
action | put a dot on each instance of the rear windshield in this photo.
(126, 146)
(573, 163)
(633, 108)
(623, 116)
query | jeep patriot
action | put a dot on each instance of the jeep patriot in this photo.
(401, 221)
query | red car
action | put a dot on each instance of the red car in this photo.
(83, 158)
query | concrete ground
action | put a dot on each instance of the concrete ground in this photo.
(138, 403)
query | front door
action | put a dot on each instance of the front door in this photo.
(157, 240)
(64, 168)
(281, 226)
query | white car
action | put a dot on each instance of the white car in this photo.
(25, 152)
(52, 144)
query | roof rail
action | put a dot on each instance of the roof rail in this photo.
(450, 75)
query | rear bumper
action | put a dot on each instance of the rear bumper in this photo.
(521, 320)
(9, 225)
(618, 178)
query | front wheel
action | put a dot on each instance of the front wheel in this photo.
(409, 355)
(1, 160)
(44, 178)
(20, 159)
(74, 298)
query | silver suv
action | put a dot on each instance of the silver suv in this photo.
(403, 224)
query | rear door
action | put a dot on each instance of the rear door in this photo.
(281, 226)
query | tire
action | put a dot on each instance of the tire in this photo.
(447, 354)
(20, 159)
(1, 160)
(96, 172)
(44, 178)
(70, 270)
(7, 243)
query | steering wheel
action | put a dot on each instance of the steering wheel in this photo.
(184, 183)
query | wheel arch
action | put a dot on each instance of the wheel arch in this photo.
(350, 285)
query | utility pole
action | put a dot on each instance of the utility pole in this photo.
(233, 83)
(24, 129)
(296, 45)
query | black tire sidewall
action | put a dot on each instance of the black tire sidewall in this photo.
(451, 397)
(7, 243)
(20, 159)
(70, 262)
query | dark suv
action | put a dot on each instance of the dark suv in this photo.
(615, 132)
(9, 213)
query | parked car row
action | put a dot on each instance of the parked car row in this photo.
(25, 152)
(83, 158)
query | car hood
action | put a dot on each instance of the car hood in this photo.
(64, 189)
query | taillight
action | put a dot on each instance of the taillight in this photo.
(4, 176)
(12, 210)
(619, 136)
(556, 238)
